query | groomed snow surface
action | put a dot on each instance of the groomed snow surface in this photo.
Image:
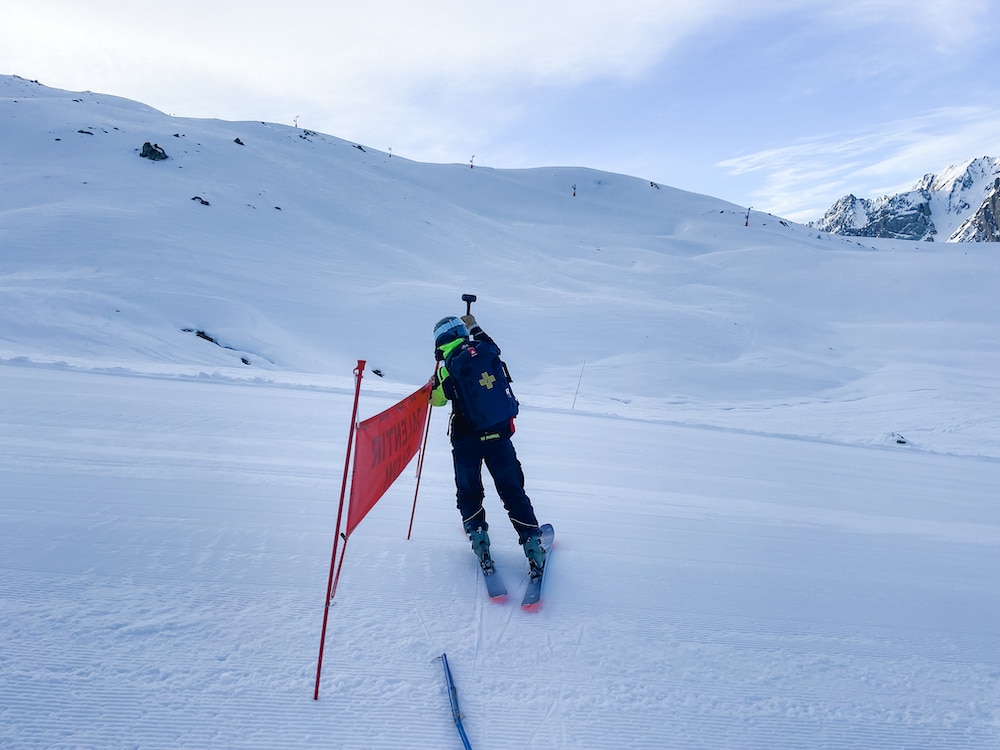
(775, 492)
(165, 544)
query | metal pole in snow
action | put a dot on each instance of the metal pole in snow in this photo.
(580, 380)
(420, 468)
(340, 514)
(456, 713)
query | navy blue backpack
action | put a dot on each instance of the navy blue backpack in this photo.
(482, 384)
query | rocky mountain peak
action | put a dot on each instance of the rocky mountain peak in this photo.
(959, 204)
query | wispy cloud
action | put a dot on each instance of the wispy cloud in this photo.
(394, 42)
(361, 67)
(412, 75)
(802, 180)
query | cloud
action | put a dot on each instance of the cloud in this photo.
(382, 59)
(885, 158)
(393, 42)
(390, 71)
(947, 19)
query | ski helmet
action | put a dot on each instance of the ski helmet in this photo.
(449, 329)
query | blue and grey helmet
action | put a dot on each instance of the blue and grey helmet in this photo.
(448, 329)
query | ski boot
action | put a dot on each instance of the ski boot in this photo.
(535, 553)
(481, 546)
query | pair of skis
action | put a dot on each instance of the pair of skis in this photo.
(533, 594)
(496, 588)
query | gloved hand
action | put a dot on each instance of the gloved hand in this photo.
(470, 321)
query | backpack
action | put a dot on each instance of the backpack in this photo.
(482, 384)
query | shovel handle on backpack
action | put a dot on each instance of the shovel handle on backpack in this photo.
(468, 299)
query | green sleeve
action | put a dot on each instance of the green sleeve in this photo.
(437, 395)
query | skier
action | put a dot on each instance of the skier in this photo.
(473, 445)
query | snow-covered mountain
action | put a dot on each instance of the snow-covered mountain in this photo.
(961, 204)
(369, 243)
(771, 455)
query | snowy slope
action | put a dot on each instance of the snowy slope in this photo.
(664, 299)
(747, 556)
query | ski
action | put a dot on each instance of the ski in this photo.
(481, 548)
(533, 594)
(494, 584)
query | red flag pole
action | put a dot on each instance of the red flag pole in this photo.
(420, 468)
(340, 565)
(340, 513)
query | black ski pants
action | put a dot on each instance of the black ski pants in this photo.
(470, 452)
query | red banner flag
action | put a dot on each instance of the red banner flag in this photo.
(385, 444)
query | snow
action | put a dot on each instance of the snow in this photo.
(958, 192)
(746, 554)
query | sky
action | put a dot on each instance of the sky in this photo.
(785, 105)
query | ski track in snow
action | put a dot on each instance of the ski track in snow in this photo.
(165, 545)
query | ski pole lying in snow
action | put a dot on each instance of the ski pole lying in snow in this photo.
(453, 698)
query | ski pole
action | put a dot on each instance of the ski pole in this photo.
(456, 713)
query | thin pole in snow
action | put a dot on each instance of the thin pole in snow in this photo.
(340, 566)
(420, 468)
(580, 380)
(340, 514)
(456, 713)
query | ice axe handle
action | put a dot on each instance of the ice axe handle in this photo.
(468, 299)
